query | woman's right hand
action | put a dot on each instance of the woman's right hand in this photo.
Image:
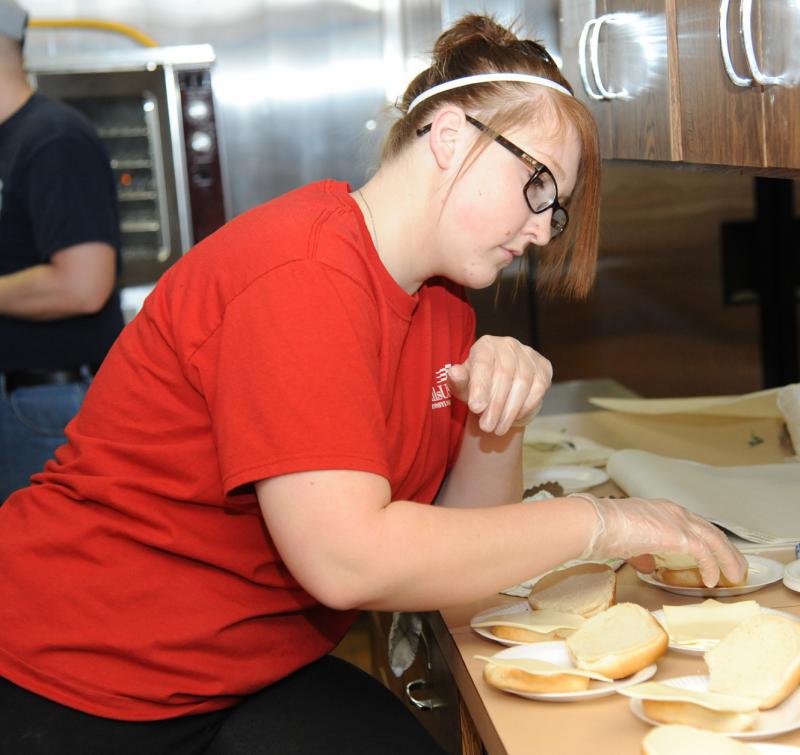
(631, 527)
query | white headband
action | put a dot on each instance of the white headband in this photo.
(484, 77)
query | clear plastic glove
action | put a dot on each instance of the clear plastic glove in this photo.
(502, 381)
(631, 527)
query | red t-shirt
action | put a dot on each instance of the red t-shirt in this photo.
(138, 580)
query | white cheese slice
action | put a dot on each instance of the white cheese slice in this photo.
(538, 667)
(707, 621)
(711, 700)
(537, 621)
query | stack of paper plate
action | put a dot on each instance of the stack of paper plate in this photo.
(791, 576)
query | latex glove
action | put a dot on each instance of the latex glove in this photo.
(631, 527)
(502, 381)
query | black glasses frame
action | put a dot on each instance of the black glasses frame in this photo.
(532, 163)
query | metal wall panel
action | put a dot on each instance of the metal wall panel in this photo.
(301, 86)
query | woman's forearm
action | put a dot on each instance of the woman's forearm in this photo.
(488, 470)
(351, 547)
(484, 550)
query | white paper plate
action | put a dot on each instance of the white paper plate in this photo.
(556, 652)
(571, 478)
(698, 650)
(769, 723)
(762, 572)
(768, 749)
(791, 576)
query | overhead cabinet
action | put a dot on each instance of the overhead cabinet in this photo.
(712, 82)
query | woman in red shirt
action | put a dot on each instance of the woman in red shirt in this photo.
(248, 467)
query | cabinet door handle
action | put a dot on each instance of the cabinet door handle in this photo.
(582, 47)
(749, 49)
(594, 41)
(725, 49)
(430, 703)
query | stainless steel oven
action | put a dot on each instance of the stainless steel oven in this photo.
(154, 109)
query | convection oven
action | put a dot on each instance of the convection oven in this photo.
(154, 109)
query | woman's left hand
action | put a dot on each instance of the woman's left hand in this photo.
(502, 381)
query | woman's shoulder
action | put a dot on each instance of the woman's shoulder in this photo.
(306, 228)
(294, 225)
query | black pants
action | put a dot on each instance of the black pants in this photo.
(327, 707)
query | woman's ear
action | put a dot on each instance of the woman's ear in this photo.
(447, 135)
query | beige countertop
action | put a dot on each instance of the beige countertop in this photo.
(512, 725)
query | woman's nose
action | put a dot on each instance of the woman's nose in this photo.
(538, 228)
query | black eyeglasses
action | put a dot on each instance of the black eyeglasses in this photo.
(540, 190)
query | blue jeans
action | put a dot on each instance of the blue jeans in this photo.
(32, 422)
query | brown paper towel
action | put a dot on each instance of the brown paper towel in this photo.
(758, 503)
(758, 404)
(780, 403)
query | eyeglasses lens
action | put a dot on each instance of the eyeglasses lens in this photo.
(559, 220)
(541, 191)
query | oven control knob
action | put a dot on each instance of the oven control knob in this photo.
(198, 111)
(201, 141)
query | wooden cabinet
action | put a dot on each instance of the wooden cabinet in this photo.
(781, 30)
(713, 82)
(722, 122)
(427, 687)
(578, 17)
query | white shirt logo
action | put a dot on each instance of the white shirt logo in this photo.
(440, 391)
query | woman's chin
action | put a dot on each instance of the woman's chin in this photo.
(478, 282)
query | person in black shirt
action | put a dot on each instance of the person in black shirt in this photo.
(59, 260)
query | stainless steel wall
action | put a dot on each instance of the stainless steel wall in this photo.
(302, 86)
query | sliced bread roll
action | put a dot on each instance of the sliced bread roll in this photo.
(535, 675)
(758, 658)
(618, 642)
(584, 589)
(667, 703)
(680, 570)
(691, 578)
(680, 712)
(675, 739)
(532, 626)
(520, 634)
(521, 681)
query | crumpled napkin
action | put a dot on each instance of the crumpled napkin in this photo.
(758, 503)
(788, 401)
(545, 448)
(404, 636)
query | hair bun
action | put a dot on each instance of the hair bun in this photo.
(473, 29)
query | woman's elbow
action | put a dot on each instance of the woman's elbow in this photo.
(339, 589)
